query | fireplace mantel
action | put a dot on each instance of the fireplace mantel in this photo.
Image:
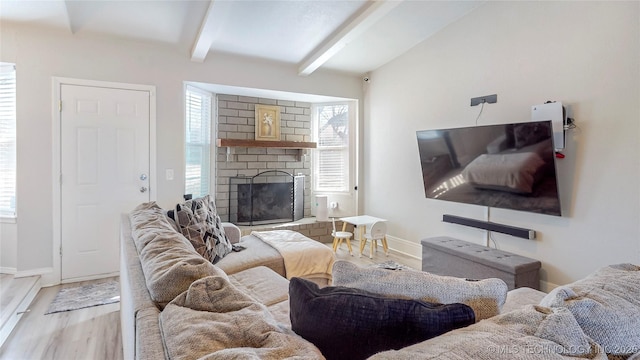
(266, 144)
(231, 143)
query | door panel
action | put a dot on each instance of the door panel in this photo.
(104, 152)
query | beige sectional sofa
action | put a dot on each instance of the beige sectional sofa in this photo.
(174, 306)
(258, 271)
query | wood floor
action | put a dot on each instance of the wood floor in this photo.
(90, 333)
(94, 333)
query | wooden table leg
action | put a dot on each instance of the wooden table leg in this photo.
(362, 242)
(385, 246)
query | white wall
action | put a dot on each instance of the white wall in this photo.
(41, 54)
(585, 54)
(8, 247)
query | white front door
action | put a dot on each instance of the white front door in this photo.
(105, 172)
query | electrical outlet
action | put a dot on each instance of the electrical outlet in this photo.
(490, 99)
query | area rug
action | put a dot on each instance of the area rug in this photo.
(79, 297)
(391, 265)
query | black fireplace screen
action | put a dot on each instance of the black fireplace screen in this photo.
(269, 197)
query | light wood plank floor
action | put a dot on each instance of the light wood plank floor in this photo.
(94, 333)
(12, 293)
(90, 333)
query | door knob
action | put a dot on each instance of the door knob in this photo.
(143, 189)
(143, 177)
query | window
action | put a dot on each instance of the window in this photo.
(7, 140)
(331, 166)
(197, 141)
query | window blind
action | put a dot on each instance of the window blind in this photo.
(7, 140)
(332, 154)
(197, 141)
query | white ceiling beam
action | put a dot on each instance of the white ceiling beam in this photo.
(72, 26)
(350, 30)
(205, 37)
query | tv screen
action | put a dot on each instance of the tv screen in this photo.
(510, 166)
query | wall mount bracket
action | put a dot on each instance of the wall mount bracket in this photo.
(489, 99)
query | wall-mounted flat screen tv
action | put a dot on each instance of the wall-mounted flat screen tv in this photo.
(510, 166)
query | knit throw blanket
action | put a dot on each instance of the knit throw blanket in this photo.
(606, 304)
(526, 334)
(302, 256)
(215, 320)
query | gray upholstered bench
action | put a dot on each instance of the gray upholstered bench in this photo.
(453, 257)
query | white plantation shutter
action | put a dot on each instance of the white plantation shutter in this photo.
(332, 153)
(7, 140)
(198, 141)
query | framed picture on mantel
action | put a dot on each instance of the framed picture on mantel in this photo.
(267, 122)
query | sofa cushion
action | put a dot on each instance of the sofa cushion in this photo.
(199, 222)
(485, 297)
(169, 262)
(146, 223)
(533, 332)
(213, 319)
(280, 312)
(148, 339)
(521, 297)
(262, 284)
(606, 304)
(256, 253)
(346, 323)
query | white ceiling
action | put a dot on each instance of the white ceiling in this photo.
(354, 36)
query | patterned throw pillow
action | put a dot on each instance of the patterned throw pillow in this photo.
(199, 222)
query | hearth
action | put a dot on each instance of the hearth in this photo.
(270, 197)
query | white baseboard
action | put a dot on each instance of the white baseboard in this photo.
(92, 277)
(405, 247)
(8, 270)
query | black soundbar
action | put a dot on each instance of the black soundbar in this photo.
(487, 225)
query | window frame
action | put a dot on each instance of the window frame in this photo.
(349, 174)
(206, 146)
(341, 203)
(9, 214)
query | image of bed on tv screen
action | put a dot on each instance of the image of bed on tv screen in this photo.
(507, 166)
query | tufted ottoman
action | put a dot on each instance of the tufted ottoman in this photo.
(453, 257)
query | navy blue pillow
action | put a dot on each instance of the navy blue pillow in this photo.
(347, 323)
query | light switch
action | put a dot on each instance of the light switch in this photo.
(169, 174)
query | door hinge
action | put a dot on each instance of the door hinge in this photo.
(60, 106)
(60, 179)
(60, 250)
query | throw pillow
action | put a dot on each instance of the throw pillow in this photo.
(199, 222)
(485, 297)
(606, 304)
(347, 323)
